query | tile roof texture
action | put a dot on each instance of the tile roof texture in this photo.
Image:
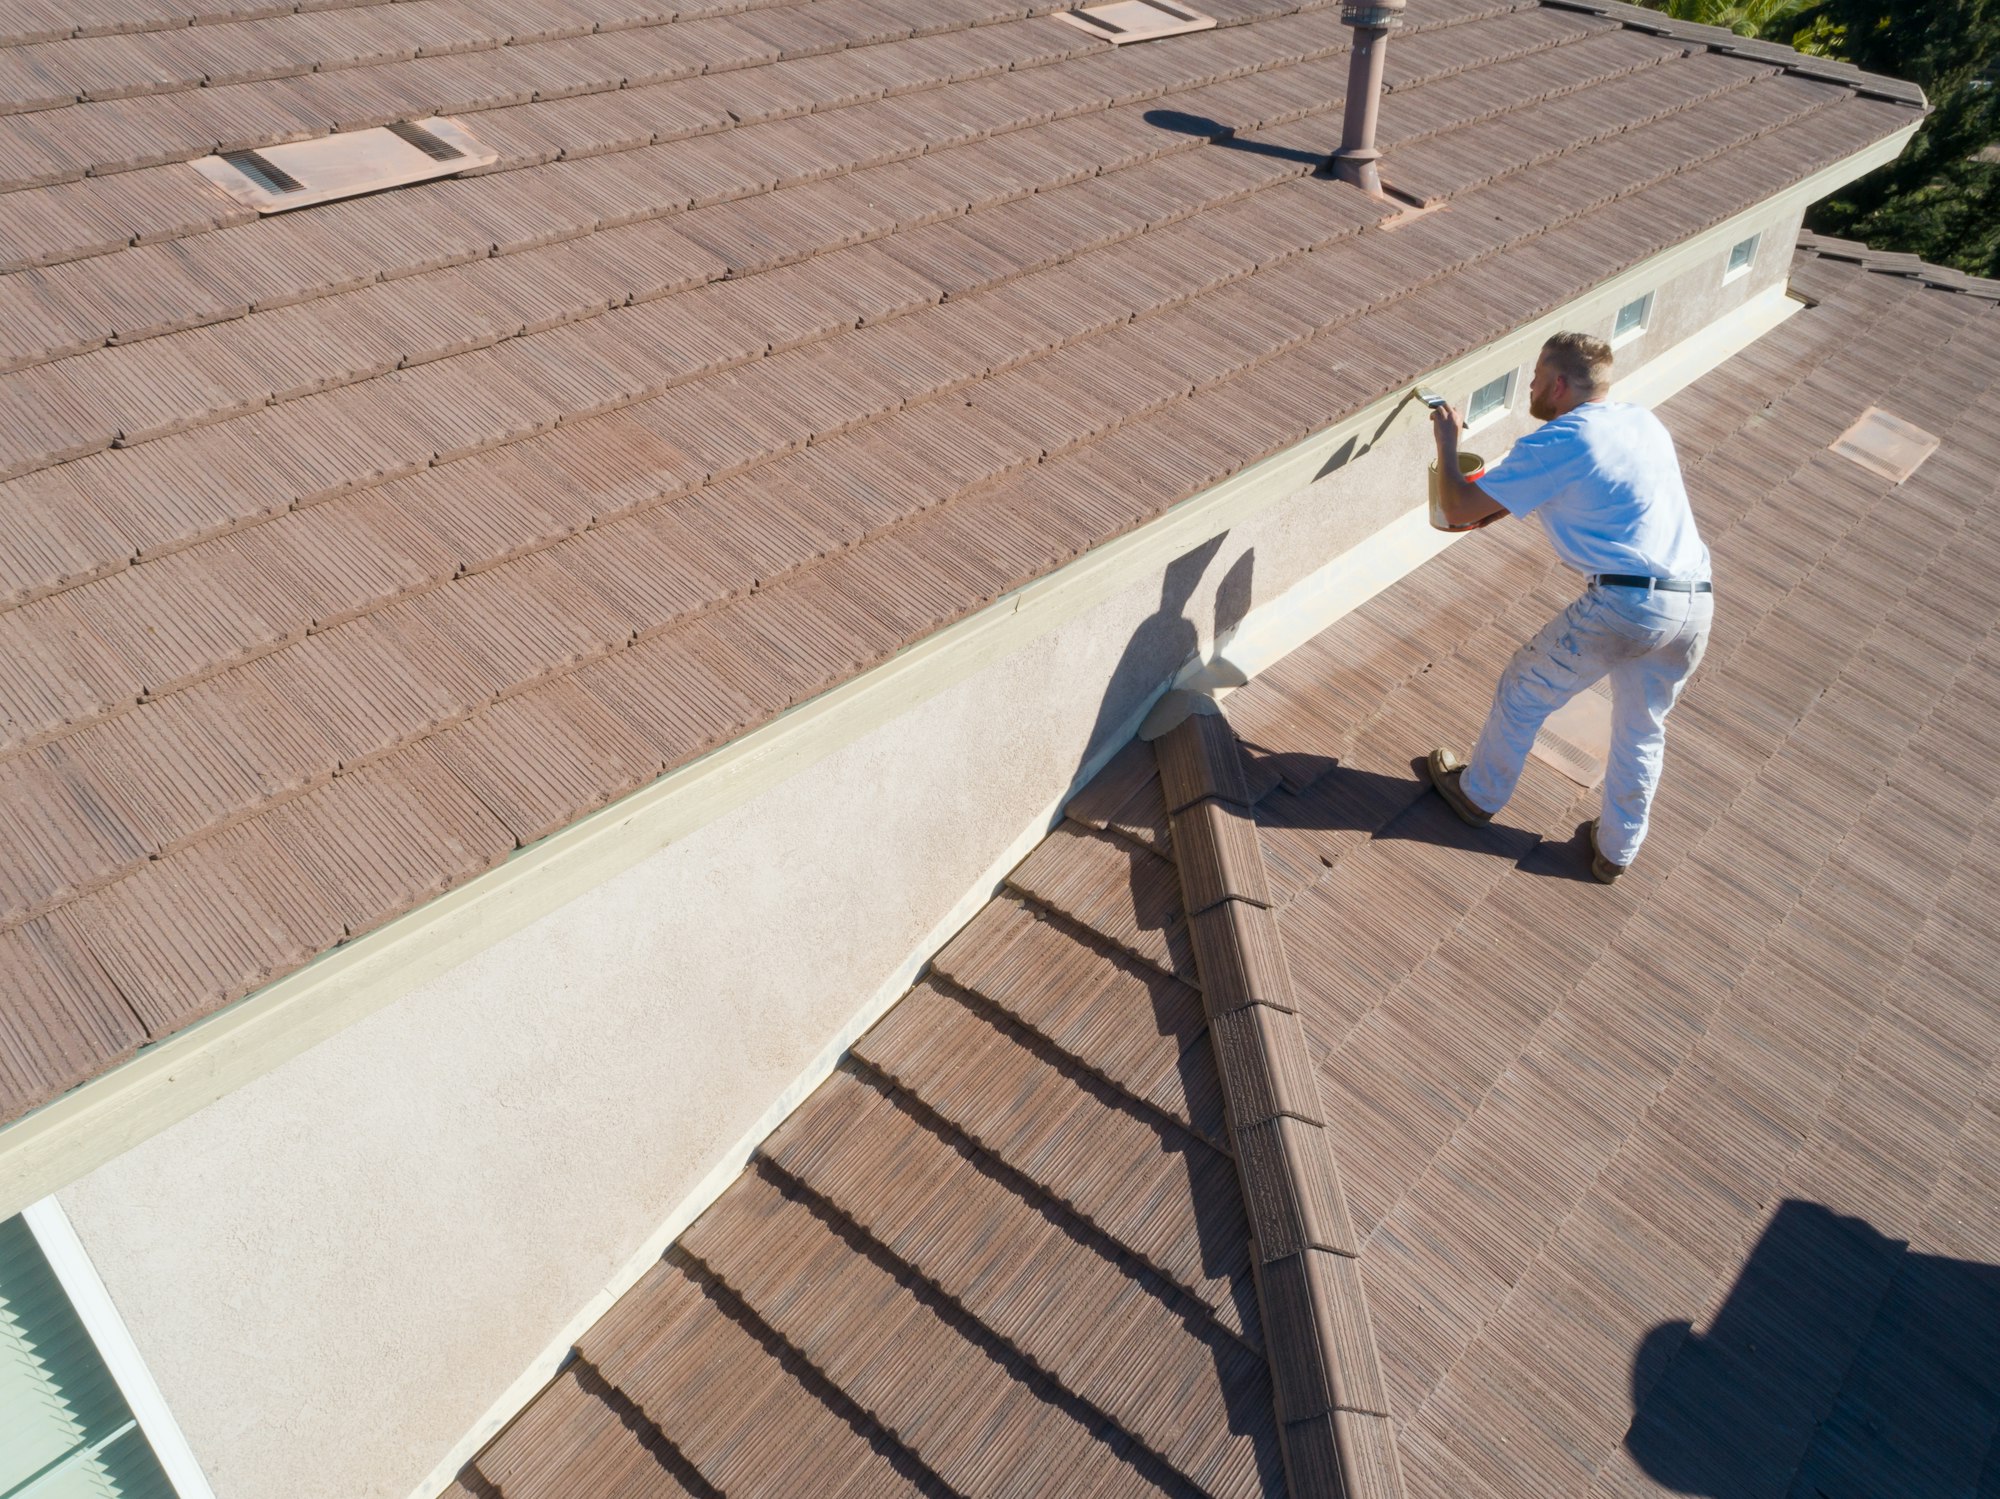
(352, 548)
(1682, 1186)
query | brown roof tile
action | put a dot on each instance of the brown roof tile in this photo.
(531, 369)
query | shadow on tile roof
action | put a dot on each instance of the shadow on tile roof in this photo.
(1337, 797)
(1875, 1361)
(1218, 134)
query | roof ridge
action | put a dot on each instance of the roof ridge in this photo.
(1721, 39)
(1899, 263)
(1332, 1402)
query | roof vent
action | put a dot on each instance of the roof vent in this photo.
(1122, 21)
(1885, 445)
(276, 178)
(1355, 160)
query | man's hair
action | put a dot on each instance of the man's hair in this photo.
(1582, 360)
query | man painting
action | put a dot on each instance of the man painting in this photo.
(1603, 479)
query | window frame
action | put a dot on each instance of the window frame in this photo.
(1639, 329)
(49, 1226)
(1749, 247)
(1508, 384)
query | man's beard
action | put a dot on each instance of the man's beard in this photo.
(1541, 410)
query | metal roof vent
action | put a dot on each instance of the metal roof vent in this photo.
(1122, 21)
(1886, 445)
(1355, 160)
(276, 178)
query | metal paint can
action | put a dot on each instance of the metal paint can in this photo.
(1473, 468)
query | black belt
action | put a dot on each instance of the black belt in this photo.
(1655, 585)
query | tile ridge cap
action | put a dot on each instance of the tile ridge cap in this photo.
(1721, 40)
(1899, 263)
(1330, 1397)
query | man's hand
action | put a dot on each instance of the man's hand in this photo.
(1466, 506)
(1446, 425)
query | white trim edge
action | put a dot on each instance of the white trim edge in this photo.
(78, 1277)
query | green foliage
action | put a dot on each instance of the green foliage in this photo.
(1744, 17)
(1941, 198)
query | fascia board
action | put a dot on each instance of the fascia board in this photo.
(171, 1079)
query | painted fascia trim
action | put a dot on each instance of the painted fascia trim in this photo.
(74, 1134)
(79, 1279)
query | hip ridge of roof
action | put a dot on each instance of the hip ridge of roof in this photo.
(1332, 1400)
(1721, 39)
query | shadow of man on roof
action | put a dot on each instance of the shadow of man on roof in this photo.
(1167, 639)
(1843, 1365)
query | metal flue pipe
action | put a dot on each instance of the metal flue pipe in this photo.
(1355, 160)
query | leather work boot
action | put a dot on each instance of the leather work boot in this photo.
(1602, 869)
(1446, 771)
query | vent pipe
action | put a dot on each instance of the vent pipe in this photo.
(1355, 160)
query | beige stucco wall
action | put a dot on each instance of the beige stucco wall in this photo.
(334, 1270)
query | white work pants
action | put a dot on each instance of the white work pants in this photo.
(1649, 644)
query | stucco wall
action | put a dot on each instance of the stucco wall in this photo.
(334, 1270)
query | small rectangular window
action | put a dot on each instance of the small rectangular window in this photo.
(1741, 255)
(1490, 400)
(81, 1415)
(1632, 320)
